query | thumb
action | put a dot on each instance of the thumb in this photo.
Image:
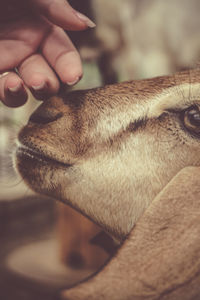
(60, 13)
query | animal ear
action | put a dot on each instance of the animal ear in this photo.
(161, 256)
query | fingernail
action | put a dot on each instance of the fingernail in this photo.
(15, 89)
(85, 19)
(74, 81)
(38, 87)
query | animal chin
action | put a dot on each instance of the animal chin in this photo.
(38, 170)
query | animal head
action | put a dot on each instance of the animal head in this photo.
(109, 151)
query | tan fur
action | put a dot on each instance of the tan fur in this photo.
(160, 259)
(113, 164)
(112, 151)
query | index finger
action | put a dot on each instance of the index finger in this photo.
(60, 13)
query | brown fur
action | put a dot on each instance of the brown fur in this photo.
(160, 259)
(75, 233)
(108, 152)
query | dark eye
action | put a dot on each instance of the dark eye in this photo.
(191, 119)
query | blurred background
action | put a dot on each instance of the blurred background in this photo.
(45, 246)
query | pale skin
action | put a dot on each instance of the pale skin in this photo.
(32, 39)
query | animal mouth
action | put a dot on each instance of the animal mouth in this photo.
(35, 156)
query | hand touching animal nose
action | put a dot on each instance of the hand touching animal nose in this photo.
(32, 39)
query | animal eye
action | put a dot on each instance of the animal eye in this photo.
(191, 119)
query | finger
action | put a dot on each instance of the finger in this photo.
(38, 76)
(12, 90)
(60, 13)
(62, 56)
(20, 39)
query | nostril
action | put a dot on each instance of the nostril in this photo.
(44, 117)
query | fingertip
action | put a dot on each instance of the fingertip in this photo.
(13, 92)
(43, 87)
(44, 93)
(64, 15)
(14, 83)
(69, 68)
(75, 81)
(71, 80)
(15, 99)
(88, 22)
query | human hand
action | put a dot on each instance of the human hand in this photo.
(32, 39)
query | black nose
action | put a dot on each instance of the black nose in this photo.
(44, 116)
